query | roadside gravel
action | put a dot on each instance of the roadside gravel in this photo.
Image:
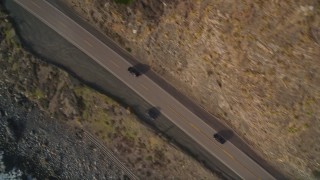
(47, 147)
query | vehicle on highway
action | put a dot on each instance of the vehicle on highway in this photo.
(134, 71)
(219, 138)
(153, 113)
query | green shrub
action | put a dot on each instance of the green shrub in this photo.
(123, 1)
(316, 174)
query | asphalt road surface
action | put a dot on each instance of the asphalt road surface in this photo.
(182, 117)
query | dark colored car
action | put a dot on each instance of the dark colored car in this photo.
(134, 71)
(219, 138)
(153, 113)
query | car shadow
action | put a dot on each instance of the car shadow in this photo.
(226, 134)
(142, 68)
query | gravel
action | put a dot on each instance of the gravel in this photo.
(46, 147)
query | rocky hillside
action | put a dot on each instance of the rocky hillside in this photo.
(43, 112)
(255, 64)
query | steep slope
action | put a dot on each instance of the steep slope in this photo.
(254, 64)
(44, 110)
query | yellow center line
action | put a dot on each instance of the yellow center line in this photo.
(144, 87)
(194, 126)
(211, 139)
(115, 64)
(179, 114)
(62, 24)
(87, 42)
(35, 4)
(227, 153)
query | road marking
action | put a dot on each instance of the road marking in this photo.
(118, 66)
(194, 126)
(179, 114)
(191, 124)
(115, 64)
(62, 24)
(227, 153)
(144, 87)
(87, 42)
(35, 4)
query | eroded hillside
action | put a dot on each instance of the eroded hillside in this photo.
(44, 112)
(255, 64)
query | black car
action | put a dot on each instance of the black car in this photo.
(134, 71)
(219, 138)
(153, 113)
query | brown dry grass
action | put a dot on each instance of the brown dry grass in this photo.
(147, 154)
(254, 64)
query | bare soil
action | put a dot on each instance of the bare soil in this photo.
(64, 103)
(254, 64)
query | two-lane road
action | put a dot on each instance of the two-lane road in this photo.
(182, 117)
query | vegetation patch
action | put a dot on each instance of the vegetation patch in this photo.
(123, 1)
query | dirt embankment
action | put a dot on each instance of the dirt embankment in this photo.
(254, 64)
(42, 108)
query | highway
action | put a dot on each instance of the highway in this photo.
(181, 116)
